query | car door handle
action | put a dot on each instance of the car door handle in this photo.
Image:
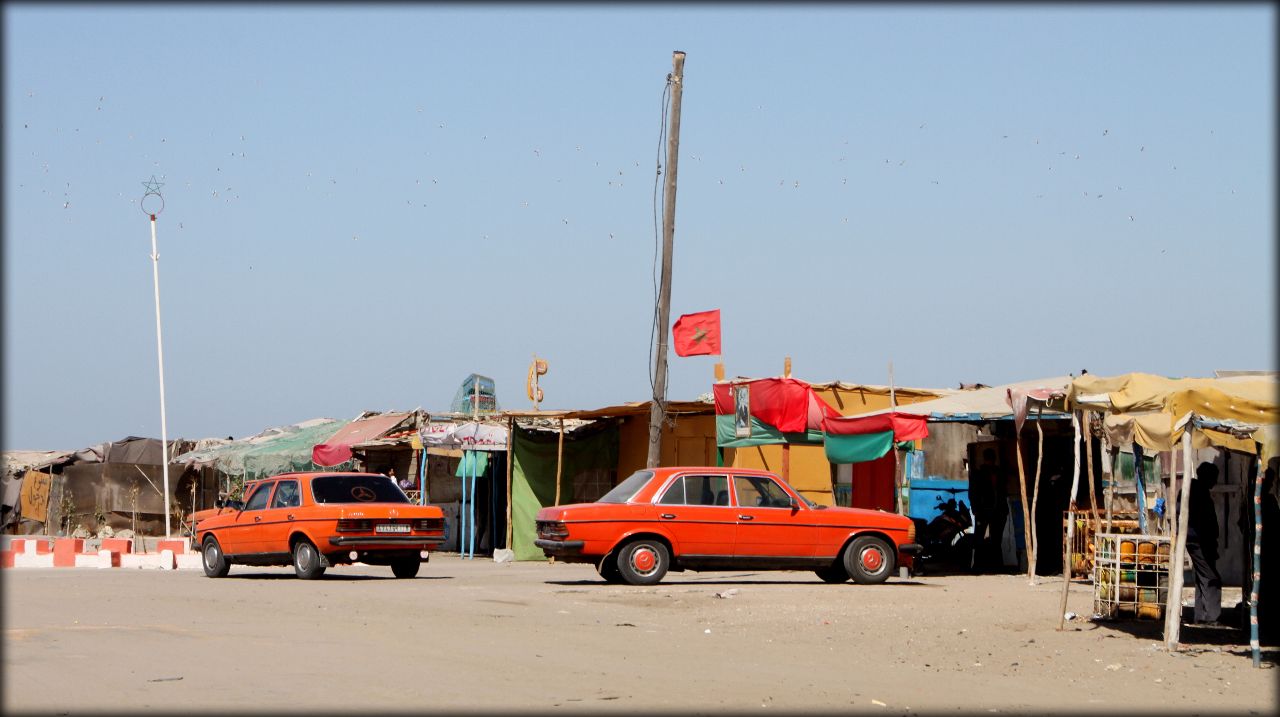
(289, 516)
(257, 518)
(666, 516)
(746, 517)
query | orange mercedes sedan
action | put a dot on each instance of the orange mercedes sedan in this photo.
(706, 518)
(317, 520)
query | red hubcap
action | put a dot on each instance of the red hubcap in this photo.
(644, 560)
(872, 559)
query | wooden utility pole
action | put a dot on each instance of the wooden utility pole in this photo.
(658, 409)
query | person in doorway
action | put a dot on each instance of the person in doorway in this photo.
(988, 521)
(1202, 545)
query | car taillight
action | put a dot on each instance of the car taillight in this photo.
(434, 525)
(552, 529)
(349, 526)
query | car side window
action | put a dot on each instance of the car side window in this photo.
(675, 494)
(697, 490)
(258, 500)
(708, 490)
(286, 495)
(760, 492)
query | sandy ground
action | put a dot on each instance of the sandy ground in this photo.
(477, 635)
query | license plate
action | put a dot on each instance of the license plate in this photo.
(392, 528)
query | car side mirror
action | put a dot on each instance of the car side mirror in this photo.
(793, 505)
(218, 502)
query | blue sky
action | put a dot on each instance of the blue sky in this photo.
(365, 205)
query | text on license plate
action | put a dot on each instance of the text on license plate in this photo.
(392, 528)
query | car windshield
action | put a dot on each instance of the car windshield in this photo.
(623, 492)
(341, 488)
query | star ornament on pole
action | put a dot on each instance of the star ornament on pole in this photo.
(157, 204)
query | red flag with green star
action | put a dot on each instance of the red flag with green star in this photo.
(697, 334)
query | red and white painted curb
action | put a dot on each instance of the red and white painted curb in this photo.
(174, 554)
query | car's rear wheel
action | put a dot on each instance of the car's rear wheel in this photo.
(869, 560)
(306, 560)
(833, 574)
(216, 564)
(644, 561)
(405, 567)
(608, 569)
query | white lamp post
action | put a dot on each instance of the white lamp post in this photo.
(153, 190)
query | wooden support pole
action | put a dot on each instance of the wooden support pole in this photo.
(658, 409)
(511, 441)
(1071, 521)
(559, 460)
(1173, 605)
(786, 463)
(1094, 515)
(1035, 492)
(1026, 521)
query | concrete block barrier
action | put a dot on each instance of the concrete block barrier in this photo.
(189, 561)
(65, 551)
(33, 560)
(118, 545)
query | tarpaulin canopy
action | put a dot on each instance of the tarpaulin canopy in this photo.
(275, 450)
(978, 405)
(1153, 411)
(470, 436)
(336, 450)
(781, 410)
(857, 439)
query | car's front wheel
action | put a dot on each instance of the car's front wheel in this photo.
(216, 564)
(306, 560)
(405, 567)
(869, 560)
(644, 561)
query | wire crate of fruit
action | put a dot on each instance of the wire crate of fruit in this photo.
(1130, 576)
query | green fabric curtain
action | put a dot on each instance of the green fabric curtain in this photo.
(533, 478)
(858, 448)
(472, 463)
(762, 434)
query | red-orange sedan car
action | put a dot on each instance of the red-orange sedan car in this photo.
(704, 518)
(315, 520)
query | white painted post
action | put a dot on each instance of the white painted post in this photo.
(164, 434)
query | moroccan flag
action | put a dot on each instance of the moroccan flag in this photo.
(697, 334)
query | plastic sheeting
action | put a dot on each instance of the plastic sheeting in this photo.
(533, 478)
(276, 450)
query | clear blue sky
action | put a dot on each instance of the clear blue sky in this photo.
(364, 205)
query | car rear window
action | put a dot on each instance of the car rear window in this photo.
(623, 492)
(356, 489)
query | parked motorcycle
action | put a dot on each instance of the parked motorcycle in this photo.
(945, 539)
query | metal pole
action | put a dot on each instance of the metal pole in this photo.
(511, 439)
(164, 434)
(658, 409)
(422, 477)
(1071, 521)
(462, 509)
(1173, 603)
(1254, 645)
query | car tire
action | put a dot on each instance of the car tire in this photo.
(608, 569)
(215, 562)
(869, 560)
(833, 574)
(643, 562)
(405, 567)
(307, 563)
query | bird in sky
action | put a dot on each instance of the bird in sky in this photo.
(1104, 132)
(1130, 217)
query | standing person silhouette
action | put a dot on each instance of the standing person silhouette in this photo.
(1202, 545)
